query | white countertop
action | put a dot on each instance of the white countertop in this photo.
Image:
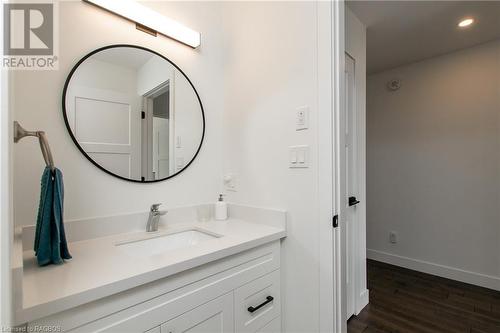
(99, 268)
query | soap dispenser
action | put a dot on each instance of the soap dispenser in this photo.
(221, 209)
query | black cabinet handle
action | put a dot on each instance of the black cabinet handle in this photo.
(269, 299)
(353, 201)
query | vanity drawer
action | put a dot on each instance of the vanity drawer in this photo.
(257, 303)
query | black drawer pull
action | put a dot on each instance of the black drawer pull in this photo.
(269, 299)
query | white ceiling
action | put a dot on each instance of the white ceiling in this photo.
(402, 32)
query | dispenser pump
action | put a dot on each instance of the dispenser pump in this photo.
(221, 208)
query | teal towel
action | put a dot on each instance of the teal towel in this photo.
(50, 240)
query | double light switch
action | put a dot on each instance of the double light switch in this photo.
(299, 156)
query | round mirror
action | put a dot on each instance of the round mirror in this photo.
(133, 113)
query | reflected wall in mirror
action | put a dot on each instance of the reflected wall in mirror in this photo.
(133, 113)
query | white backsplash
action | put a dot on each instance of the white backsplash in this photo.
(79, 230)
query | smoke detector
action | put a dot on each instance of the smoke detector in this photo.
(394, 85)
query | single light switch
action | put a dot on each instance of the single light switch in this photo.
(302, 118)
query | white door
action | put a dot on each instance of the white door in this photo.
(106, 124)
(351, 186)
(161, 148)
(215, 316)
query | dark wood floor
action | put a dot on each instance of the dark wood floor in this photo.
(406, 301)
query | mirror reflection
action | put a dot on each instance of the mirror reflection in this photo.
(133, 113)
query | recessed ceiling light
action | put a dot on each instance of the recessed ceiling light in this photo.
(465, 22)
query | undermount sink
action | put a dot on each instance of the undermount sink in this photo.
(156, 244)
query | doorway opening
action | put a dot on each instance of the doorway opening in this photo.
(158, 133)
(422, 101)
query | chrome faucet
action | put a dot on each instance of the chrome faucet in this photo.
(154, 217)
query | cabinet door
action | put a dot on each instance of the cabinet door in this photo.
(215, 316)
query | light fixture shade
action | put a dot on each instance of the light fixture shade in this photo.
(149, 18)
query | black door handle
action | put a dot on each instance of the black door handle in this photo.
(353, 201)
(252, 309)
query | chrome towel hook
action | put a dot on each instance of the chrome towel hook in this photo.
(20, 132)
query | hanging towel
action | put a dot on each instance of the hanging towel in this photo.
(50, 240)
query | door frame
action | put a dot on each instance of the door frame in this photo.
(147, 126)
(331, 105)
(331, 49)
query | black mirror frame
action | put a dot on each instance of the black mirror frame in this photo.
(66, 84)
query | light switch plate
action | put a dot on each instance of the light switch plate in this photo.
(298, 156)
(302, 118)
(179, 161)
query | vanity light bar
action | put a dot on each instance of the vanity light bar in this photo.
(147, 17)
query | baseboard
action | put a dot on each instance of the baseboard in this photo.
(362, 301)
(478, 279)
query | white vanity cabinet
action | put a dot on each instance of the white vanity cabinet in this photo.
(239, 293)
(216, 316)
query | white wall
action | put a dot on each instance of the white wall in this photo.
(271, 70)
(433, 165)
(256, 65)
(188, 123)
(36, 104)
(153, 73)
(6, 223)
(99, 74)
(6, 188)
